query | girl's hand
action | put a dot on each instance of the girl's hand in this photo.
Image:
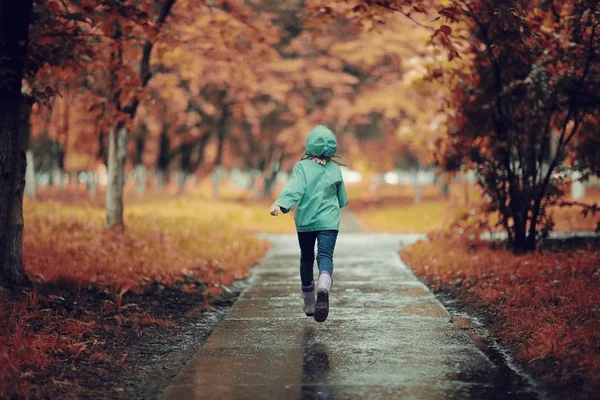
(274, 210)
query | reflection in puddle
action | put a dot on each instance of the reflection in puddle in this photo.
(315, 368)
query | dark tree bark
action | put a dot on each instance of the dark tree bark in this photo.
(185, 152)
(164, 159)
(14, 37)
(222, 127)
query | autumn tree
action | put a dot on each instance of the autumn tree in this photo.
(524, 96)
(14, 39)
(527, 104)
(56, 41)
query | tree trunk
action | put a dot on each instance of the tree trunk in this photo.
(141, 178)
(56, 173)
(466, 188)
(164, 159)
(269, 185)
(271, 178)
(162, 178)
(140, 168)
(15, 253)
(102, 153)
(254, 175)
(185, 151)
(182, 176)
(92, 183)
(14, 36)
(222, 127)
(30, 184)
(417, 187)
(218, 174)
(521, 243)
(117, 157)
(444, 186)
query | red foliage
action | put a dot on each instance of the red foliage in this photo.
(545, 306)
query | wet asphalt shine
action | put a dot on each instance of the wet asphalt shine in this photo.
(386, 337)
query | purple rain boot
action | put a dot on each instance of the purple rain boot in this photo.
(308, 293)
(323, 288)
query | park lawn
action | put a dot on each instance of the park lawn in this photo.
(413, 218)
(396, 212)
(394, 209)
(237, 206)
(543, 306)
(88, 279)
(163, 241)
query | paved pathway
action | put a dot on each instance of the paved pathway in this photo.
(386, 337)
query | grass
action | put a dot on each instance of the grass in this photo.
(414, 218)
(163, 242)
(85, 271)
(395, 211)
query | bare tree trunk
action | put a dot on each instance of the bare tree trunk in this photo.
(269, 185)
(56, 174)
(217, 175)
(222, 127)
(117, 157)
(254, 175)
(15, 253)
(14, 37)
(466, 187)
(444, 186)
(92, 183)
(140, 168)
(164, 159)
(162, 178)
(271, 176)
(521, 243)
(30, 184)
(417, 186)
(141, 175)
(185, 151)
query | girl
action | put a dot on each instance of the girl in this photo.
(317, 188)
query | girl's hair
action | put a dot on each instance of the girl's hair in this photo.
(339, 160)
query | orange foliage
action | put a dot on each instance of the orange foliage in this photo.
(84, 272)
(545, 305)
(34, 337)
(72, 243)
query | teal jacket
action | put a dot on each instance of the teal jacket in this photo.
(317, 190)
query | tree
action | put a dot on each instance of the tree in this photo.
(523, 106)
(524, 96)
(124, 101)
(14, 40)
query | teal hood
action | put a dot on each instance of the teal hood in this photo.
(321, 142)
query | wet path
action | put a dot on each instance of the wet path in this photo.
(386, 337)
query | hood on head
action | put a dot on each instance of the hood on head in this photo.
(321, 142)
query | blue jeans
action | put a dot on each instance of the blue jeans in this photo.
(326, 245)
